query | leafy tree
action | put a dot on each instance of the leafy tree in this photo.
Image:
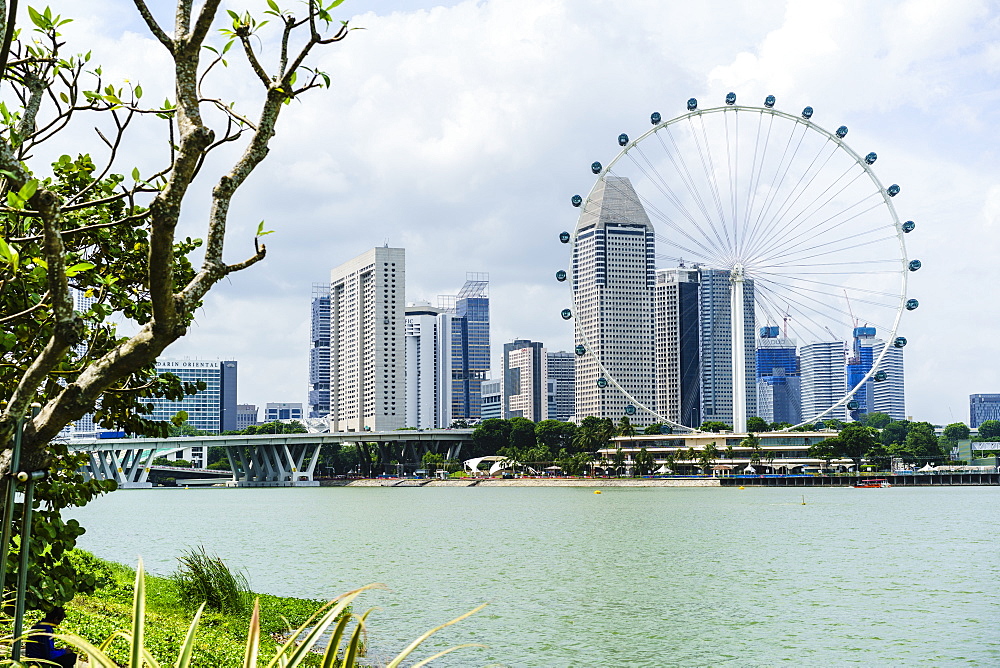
(778, 426)
(956, 431)
(556, 435)
(989, 430)
(459, 424)
(86, 230)
(522, 433)
(752, 443)
(625, 427)
(618, 460)
(432, 461)
(854, 442)
(880, 457)
(656, 428)
(276, 427)
(707, 457)
(894, 433)
(489, 437)
(921, 444)
(644, 463)
(877, 420)
(730, 452)
(825, 450)
(574, 463)
(593, 434)
(757, 425)
(715, 426)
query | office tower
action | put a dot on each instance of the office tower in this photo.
(779, 386)
(859, 362)
(716, 345)
(367, 297)
(889, 394)
(211, 410)
(282, 411)
(470, 344)
(492, 393)
(823, 379)
(319, 352)
(562, 380)
(613, 280)
(982, 407)
(525, 380)
(246, 416)
(428, 366)
(678, 381)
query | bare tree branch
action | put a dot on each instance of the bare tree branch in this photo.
(154, 27)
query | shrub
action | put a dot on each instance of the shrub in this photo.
(202, 578)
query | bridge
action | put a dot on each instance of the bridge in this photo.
(262, 460)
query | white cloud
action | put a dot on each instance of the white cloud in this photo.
(460, 132)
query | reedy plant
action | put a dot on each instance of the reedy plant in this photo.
(342, 651)
(205, 578)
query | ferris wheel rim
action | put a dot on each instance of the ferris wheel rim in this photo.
(886, 203)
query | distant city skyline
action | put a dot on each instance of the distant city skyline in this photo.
(486, 185)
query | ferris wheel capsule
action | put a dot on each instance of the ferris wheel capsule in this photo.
(630, 410)
(564, 237)
(602, 383)
(576, 200)
(892, 190)
(899, 342)
(595, 167)
(914, 265)
(807, 113)
(622, 139)
(692, 104)
(566, 314)
(730, 98)
(879, 376)
(581, 351)
(769, 101)
(908, 226)
(560, 275)
(842, 131)
(871, 158)
(655, 118)
(853, 405)
(912, 304)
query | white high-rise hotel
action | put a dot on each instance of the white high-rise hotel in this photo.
(367, 299)
(613, 280)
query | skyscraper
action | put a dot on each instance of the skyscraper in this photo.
(823, 380)
(716, 344)
(613, 280)
(428, 366)
(562, 378)
(859, 363)
(211, 410)
(319, 352)
(779, 386)
(525, 380)
(983, 407)
(367, 298)
(678, 384)
(470, 344)
(890, 394)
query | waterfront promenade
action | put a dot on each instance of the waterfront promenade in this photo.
(902, 480)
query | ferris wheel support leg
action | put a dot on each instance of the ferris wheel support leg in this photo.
(736, 317)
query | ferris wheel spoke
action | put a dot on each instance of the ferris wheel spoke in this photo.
(789, 202)
(777, 182)
(816, 322)
(824, 314)
(759, 169)
(822, 228)
(839, 292)
(689, 183)
(839, 249)
(709, 167)
(733, 177)
(691, 253)
(664, 188)
(798, 278)
(653, 211)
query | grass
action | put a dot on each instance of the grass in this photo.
(220, 640)
(204, 578)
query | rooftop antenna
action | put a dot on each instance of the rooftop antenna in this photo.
(785, 318)
(386, 245)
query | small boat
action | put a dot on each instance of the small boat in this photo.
(874, 482)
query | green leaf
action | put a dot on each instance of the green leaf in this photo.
(8, 252)
(36, 18)
(273, 5)
(234, 15)
(135, 173)
(28, 189)
(138, 92)
(79, 268)
(260, 230)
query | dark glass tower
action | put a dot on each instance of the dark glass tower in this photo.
(319, 352)
(470, 347)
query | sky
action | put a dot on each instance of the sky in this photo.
(459, 131)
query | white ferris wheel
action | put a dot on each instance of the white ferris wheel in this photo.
(784, 206)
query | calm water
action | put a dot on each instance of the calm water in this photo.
(630, 577)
